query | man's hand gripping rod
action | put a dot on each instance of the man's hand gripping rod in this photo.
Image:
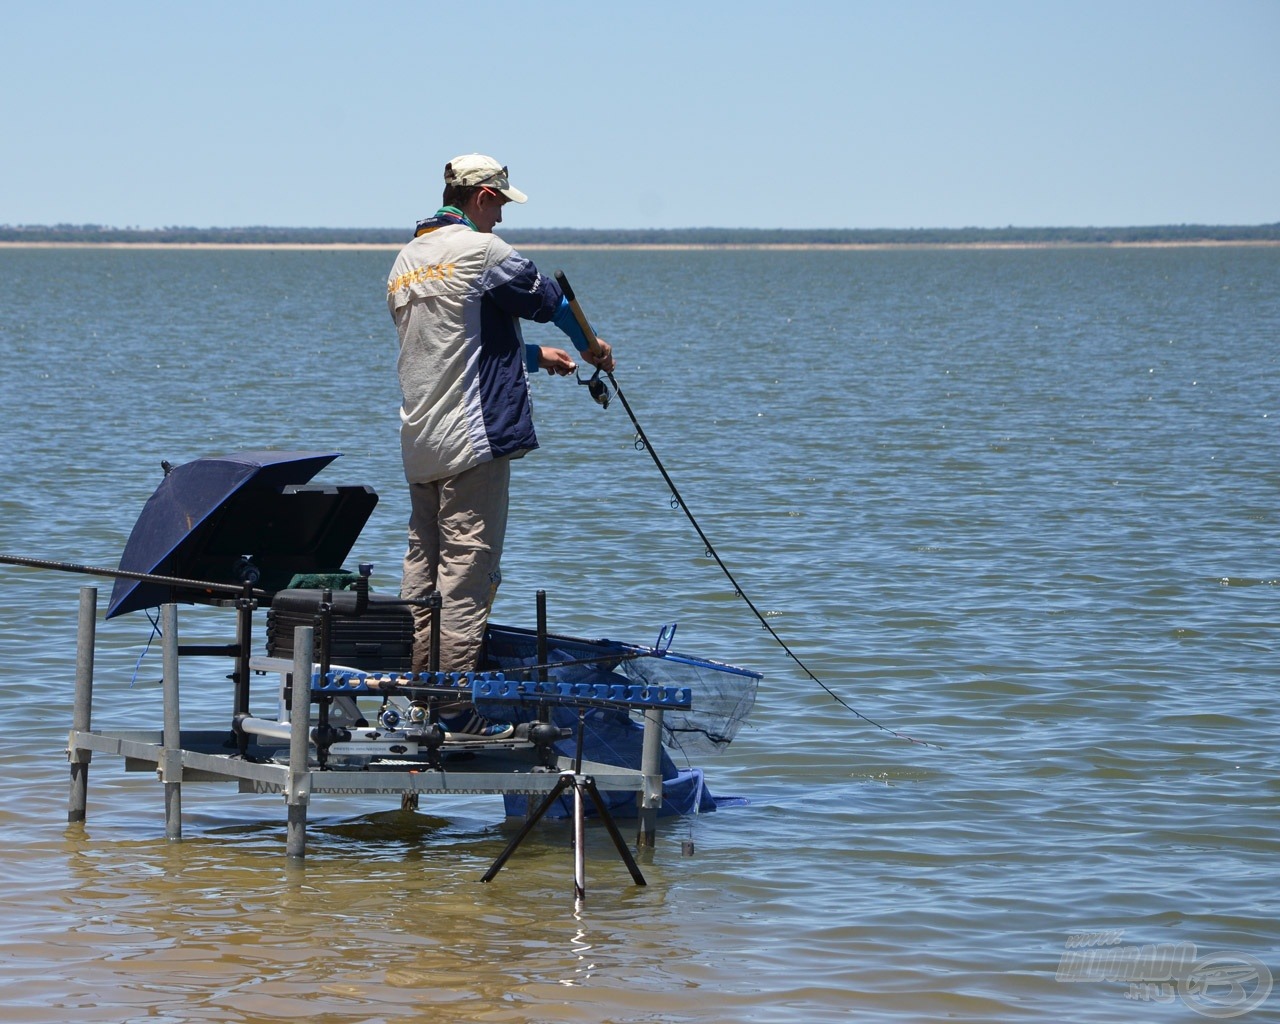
(594, 385)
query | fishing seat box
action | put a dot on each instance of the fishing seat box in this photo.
(380, 640)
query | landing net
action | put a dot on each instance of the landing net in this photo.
(722, 695)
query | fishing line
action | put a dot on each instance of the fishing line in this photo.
(677, 501)
(155, 632)
(601, 396)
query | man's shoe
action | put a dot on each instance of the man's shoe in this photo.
(472, 727)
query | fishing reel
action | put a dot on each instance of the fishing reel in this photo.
(596, 388)
(246, 572)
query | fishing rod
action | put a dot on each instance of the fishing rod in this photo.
(239, 590)
(600, 394)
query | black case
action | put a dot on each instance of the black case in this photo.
(380, 640)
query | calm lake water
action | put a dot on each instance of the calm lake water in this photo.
(1020, 505)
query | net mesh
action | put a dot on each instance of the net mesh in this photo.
(722, 695)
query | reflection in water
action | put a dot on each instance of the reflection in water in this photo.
(581, 948)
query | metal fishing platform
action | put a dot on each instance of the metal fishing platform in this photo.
(293, 756)
(234, 532)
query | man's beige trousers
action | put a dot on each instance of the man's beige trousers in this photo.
(456, 530)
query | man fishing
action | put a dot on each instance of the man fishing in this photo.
(457, 293)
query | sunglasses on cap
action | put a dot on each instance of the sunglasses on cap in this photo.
(499, 179)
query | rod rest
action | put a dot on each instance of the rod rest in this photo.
(496, 687)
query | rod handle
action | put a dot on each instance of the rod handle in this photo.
(593, 343)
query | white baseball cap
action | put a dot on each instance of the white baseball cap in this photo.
(477, 169)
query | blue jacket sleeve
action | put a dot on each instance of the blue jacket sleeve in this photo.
(567, 322)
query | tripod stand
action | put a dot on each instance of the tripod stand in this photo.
(584, 787)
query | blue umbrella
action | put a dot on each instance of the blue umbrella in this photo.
(239, 518)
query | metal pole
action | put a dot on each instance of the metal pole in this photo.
(542, 637)
(436, 603)
(544, 710)
(579, 842)
(579, 817)
(244, 643)
(171, 756)
(82, 710)
(651, 767)
(299, 733)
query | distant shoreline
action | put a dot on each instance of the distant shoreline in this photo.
(384, 239)
(1207, 243)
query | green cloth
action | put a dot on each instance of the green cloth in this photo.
(340, 580)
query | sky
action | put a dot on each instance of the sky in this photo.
(754, 113)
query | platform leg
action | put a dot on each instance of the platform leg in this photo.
(579, 844)
(244, 643)
(296, 832)
(82, 709)
(299, 792)
(651, 765)
(171, 755)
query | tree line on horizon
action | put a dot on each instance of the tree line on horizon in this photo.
(85, 233)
